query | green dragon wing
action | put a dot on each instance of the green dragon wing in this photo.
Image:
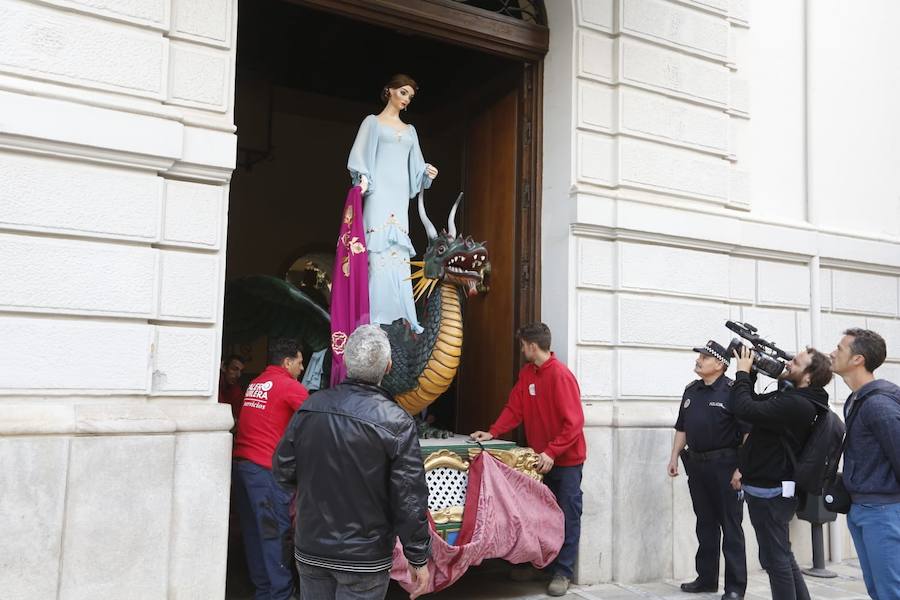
(258, 305)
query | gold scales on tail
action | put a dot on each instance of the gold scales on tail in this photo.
(452, 268)
(441, 367)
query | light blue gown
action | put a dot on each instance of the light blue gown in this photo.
(392, 162)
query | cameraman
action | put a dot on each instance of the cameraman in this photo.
(712, 436)
(779, 419)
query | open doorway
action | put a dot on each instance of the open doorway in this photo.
(305, 79)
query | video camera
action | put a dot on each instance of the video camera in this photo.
(769, 358)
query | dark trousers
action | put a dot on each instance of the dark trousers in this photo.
(565, 483)
(263, 509)
(317, 583)
(770, 518)
(719, 515)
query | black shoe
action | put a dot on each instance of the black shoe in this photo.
(732, 596)
(696, 586)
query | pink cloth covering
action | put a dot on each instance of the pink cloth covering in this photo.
(508, 515)
(349, 282)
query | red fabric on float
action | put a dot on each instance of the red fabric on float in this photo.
(507, 515)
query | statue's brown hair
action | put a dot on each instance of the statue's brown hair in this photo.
(397, 81)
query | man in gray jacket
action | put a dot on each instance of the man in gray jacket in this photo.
(872, 460)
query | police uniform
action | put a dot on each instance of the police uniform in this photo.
(713, 435)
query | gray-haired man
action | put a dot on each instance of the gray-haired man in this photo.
(353, 456)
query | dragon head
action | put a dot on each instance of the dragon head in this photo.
(449, 257)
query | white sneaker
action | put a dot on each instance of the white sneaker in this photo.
(558, 586)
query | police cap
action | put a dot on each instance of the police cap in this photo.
(715, 350)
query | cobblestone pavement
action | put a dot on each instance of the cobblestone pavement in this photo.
(493, 585)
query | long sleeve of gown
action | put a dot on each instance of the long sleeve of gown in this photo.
(362, 155)
(417, 176)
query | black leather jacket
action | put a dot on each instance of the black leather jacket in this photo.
(353, 456)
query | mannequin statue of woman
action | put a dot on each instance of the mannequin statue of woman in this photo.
(387, 163)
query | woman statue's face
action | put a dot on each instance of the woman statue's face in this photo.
(401, 97)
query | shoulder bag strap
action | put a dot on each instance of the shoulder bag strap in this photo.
(832, 475)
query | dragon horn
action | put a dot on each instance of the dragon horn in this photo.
(429, 227)
(451, 220)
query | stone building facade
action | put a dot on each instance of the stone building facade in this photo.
(702, 160)
(709, 161)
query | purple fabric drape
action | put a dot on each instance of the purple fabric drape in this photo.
(349, 282)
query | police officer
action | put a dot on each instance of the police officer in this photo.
(707, 436)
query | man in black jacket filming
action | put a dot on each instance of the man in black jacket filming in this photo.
(353, 456)
(780, 420)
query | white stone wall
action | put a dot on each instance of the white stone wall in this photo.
(704, 178)
(116, 148)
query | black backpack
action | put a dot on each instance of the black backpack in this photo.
(820, 454)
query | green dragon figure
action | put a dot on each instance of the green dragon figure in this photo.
(426, 364)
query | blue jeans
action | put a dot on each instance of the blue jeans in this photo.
(565, 483)
(264, 511)
(876, 534)
(317, 583)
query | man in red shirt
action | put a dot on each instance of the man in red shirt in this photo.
(263, 505)
(547, 400)
(230, 391)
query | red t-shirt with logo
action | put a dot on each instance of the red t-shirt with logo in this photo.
(547, 400)
(269, 403)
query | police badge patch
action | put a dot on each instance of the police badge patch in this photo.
(687, 402)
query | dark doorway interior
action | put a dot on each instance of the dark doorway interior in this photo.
(305, 80)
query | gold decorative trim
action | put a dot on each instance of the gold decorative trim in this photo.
(445, 458)
(451, 514)
(523, 460)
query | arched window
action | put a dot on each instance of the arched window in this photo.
(530, 11)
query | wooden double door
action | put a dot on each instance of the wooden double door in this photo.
(489, 347)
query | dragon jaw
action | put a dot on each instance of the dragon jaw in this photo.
(450, 258)
(458, 261)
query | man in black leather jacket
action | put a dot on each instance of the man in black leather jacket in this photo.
(353, 456)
